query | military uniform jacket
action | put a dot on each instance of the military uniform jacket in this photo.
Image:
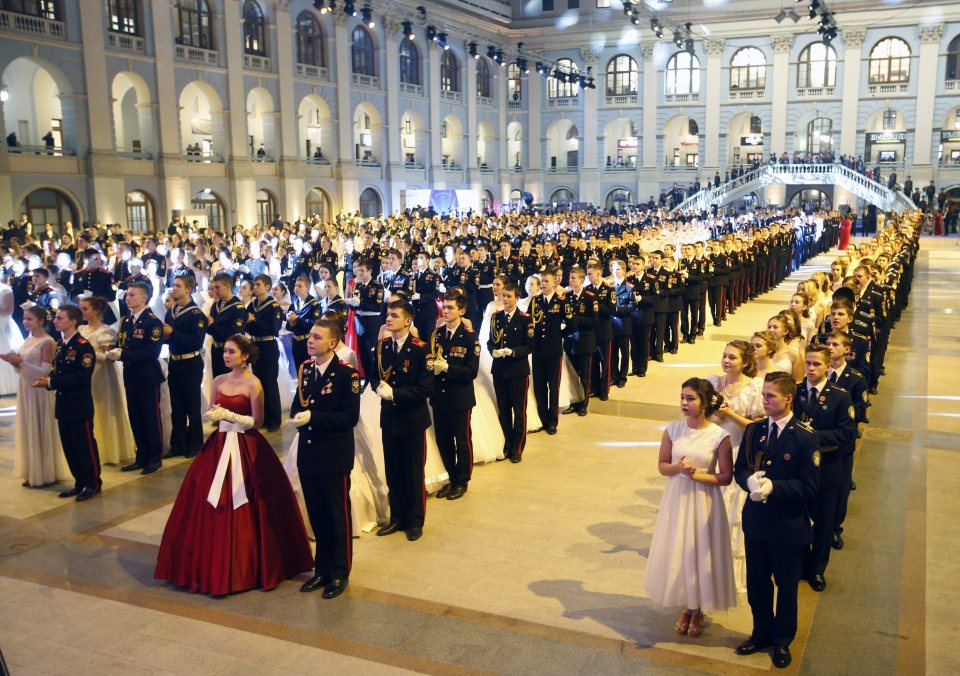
(547, 317)
(644, 291)
(370, 295)
(189, 328)
(72, 372)
(227, 317)
(693, 268)
(858, 355)
(98, 282)
(719, 270)
(517, 334)
(831, 416)
(410, 373)
(606, 308)
(661, 301)
(141, 340)
(486, 271)
(307, 311)
(453, 390)
(326, 443)
(623, 293)
(328, 258)
(161, 262)
(467, 279)
(400, 282)
(267, 318)
(675, 288)
(581, 322)
(853, 382)
(426, 284)
(793, 465)
(46, 298)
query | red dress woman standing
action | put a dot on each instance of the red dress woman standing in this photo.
(846, 225)
(235, 524)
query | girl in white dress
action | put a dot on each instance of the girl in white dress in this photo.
(39, 457)
(764, 347)
(784, 354)
(111, 426)
(800, 306)
(690, 563)
(10, 340)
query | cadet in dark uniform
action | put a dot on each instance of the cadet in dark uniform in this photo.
(485, 267)
(622, 326)
(368, 301)
(425, 289)
(675, 306)
(44, 296)
(325, 409)
(778, 464)
(719, 279)
(71, 377)
(263, 323)
(150, 253)
(706, 272)
(184, 329)
(690, 268)
(661, 305)
(227, 317)
(644, 285)
(510, 343)
(456, 362)
(403, 369)
(580, 344)
(135, 265)
(93, 280)
(603, 330)
(547, 312)
(302, 313)
(138, 346)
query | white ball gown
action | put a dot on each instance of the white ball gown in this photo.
(690, 564)
(39, 456)
(111, 426)
(10, 341)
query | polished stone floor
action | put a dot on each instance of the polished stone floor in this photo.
(538, 570)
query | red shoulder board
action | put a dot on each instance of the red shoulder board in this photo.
(385, 339)
(588, 292)
(418, 342)
(522, 313)
(467, 329)
(82, 340)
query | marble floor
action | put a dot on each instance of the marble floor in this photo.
(539, 569)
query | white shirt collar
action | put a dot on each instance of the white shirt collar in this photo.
(136, 316)
(401, 341)
(838, 371)
(818, 386)
(781, 423)
(322, 368)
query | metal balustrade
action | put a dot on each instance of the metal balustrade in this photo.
(126, 43)
(33, 25)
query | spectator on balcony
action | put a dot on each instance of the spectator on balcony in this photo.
(716, 180)
(49, 142)
(12, 141)
(261, 153)
(318, 154)
(916, 197)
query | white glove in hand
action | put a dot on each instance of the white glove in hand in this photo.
(415, 296)
(440, 365)
(245, 421)
(753, 481)
(300, 419)
(114, 354)
(766, 488)
(506, 352)
(385, 391)
(214, 415)
(497, 353)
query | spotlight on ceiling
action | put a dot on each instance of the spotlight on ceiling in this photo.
(472, 50)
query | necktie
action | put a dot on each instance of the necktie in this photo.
(833, 377)
(396, 348)
(449, 336)
(772, 438)
(812, 402)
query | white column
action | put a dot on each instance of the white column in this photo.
(287, 107)
(590, 130)
(394, 159)
(926, 84)
(470, 98)
(236, 116)
(168, 123)
(431, 88)
(852, 42)
(711, 130)
(98, 86)
(649, 101)
(535, 142)
(779, 92)
(341, 53)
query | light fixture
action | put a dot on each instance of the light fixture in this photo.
(688, 46)
(4, 94)
(500, 58)
(442, 41)
(349, 8)
(472, 50)
(408, 30)
(367, 15)
(677, 39)
(491, 52)
(432, 33)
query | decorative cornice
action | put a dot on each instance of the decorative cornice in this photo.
(781, 43)
(590, 56)
(714, 47)
(853, 37)
(392, 25)
(646, 51)
(931, 33)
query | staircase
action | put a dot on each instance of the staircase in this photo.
(798, 174)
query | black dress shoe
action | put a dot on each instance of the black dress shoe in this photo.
(272, 428)
(414, 533)
(699, 332)
(817, 583)
(389, 529)
(642, 375)
(539, 429)
(716, 322)
(674, 350)
(314, 583)
(457, 492)
(781, 657)
(837, 541)
(621, 383)
(150, 469)
(658, 358)
(573, 408)
(132, 467)
(191, 454)
(872, 390)
(551, 430)
(515, 459)
(750, 646)
(334, 589)
(72, 493)
(171, 454)
(582, 411)
(603, 397)
(853, 485)
(445, 491)
(26, 484)
(87, 493)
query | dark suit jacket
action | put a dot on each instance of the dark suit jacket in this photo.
(411, 375)
(71, 376)
(453, 390)
(516, 335)
(832, 418)
(326, 444)
(141, 341)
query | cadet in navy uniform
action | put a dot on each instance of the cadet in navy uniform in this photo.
(44, 296)
(622, 325)
(227, 317)
(603, 329)
(456, 352)
(263, 323)
(510, 343)
(644, 284)
(580, 343)
(93, 280)
(778, 464)
(151, 254)
(184, 330)
(827, 408)
(403, 369)
(326, 408)
(548, 311)
(135, 265)
(690, 268)
(368, 302)
(302, 313)
(138, 346)
(72, 373)
(425, 290)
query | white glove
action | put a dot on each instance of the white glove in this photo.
(385, 390)
(27, 304)
(763, 492)
(440, 365)
(214, 415)
(497, 353)
(245, 421)
(114, 354)
(85, 294)
(300, 419)
(753, 481)
(353, 302)
(506, 352)
(415, 296)
(120, 294)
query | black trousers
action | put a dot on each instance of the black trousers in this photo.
(672, 338)
(80, 449)
(143, 408)
(216, 362)
(184, 378)
(546, 388)
(620, 358)
(455, 441)
(640, 348)
(267, 369)
(702, 316)
(823, 509)
(659, 332)
(718, 298)
(425, 319)
(600, 377)
(511, 396)
(327, 497)
(847, 461)
(299, 350)
(782, 563)
(690, 317)
(403, 457)
(582, 364)
(367, 344)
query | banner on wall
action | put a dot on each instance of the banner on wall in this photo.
(444, 201)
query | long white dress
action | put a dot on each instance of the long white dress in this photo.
(111, 426)
(10, 341)
(690, 563)
(39, 456)
(748, 402)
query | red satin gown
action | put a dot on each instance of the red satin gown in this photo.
(222, 550)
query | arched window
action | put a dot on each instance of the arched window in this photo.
(622, 76)
(45, 9)
(953, 59)
(362, 53)
(618, 199)
(310, 41)
(449, 71)
(370, 204)
(820, 136)
(211, 203)
(562, 197)
(266, 207)
(817, 66)
(748, 69)
(682, 75)
(317, 204)
(123, 17)
(194, 24)
(563, 87)
(483, 78)
(890, 61)
(140, 211)
(409, 63)
(254, 30)
(514, 85)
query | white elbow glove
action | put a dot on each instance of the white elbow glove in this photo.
(214, 415)
(244, 421)
(300, 419)
(385, 391)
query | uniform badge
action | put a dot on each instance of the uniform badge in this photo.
(476, 349)
(155, 334)
(355, 385)
(822, 398)
(87, 360)
(816, 458)
(530, 331)
(850, 411)
(406, 364)
(787, 456)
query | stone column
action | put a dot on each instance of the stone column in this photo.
(592, 136)
(649, 102)
(711, 147)
(852, 43)
(168, 143)
(470, 98)
(926, 74)
(394, 159)
(344, 111)
(285, 142)
(779, 92)
(431, 89)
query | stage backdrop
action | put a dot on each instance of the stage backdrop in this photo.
(443, 201)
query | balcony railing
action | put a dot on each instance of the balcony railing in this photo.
(450, 95)
(815, 92)
(261, 158)
(615, 168)
(681, 98)
(135, 154)
(33, 25)
(56, 151)
(256, 62)
(951, 86)
(367, 162)
(746, 94)
(900, 88)
(563, 102)
(313, 72)
(371, 81)
(517, 169)
(207, 157)
(197, 54)
(515, 105)
(407, 88)
(415, 164)
(484, 101)
(486, 169)
(563, 169)
(126, 43)
(315, 160)
(621, 99)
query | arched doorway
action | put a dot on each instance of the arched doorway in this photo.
(681, 142)
(486, 146)
(563, 146)
(202, 127)
(318, 204)
(140, 211)
(414, 141)
(515, 145)
(620, 144)
(210, 202)
(561, 198)
(371, 205)
(261, 124)
(486, 200)
(266, 207)
(451, 142)
(49, 205)
(618, 199)
(34, 106)
(132, 115)
(367, 130)
(317, 144)
(810, 199)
